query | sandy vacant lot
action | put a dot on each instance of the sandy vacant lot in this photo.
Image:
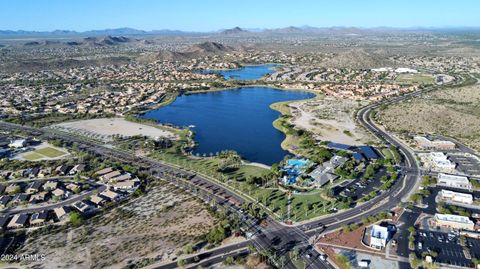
(452, 112)
(106, 127)
(330, 119)
(157, 224)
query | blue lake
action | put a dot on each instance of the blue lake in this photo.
(250, 72)
(239, 120)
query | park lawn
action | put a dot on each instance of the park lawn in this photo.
(273, 198)
(415, 78)
(32, 156)
(300, 200)
(387, 154)
(276, 200)
(247, 170)
(50, 152)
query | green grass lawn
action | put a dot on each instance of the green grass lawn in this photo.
(270, 195)
(415, 78)
(248, 170)
(299, 211)
(387, 153)
(299, 263)
(32, 156)
(50, 152)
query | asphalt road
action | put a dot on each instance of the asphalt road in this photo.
(386, 200)
(276, 237)
(68, 201)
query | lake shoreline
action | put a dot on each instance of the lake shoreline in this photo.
(194, 111)
(241, 66)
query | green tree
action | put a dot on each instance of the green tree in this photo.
(76, 218)
(294, 254)
(188, 249)
(181, 262)
(229, 261)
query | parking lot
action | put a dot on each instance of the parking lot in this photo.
(431, 204)
(358, 188)
(447, 246)
(465, 164)
(408, 219)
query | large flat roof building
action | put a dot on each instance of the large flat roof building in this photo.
(457, 197)
(454, 222)
(425, 143)
(454, 181)
(439, 160)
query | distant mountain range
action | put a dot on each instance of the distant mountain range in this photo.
(87, 41)
(232, 31)
(105, 32)
(195, 51)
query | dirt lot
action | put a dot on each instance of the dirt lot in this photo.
(106, 127)
(330, 119)
(452, 112)
(157, 224)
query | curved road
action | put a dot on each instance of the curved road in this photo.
(388, 199)
(289, 236)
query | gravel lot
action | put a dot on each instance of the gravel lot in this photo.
(106, 127)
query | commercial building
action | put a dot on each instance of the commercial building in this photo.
(19, 143)
(440, 161)
(425, 143)
(379, 236)
(454, 181)
(453, 222)
(457, 197)
(324, 173)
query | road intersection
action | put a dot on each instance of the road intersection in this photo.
(276, 238)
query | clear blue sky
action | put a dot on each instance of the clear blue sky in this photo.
(209, 15)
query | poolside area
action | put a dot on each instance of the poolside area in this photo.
(294, 169)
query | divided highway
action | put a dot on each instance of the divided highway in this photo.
(276, 236)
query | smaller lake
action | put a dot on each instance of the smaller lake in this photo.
(250, 72)
(239, 120)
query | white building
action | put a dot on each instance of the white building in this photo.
(378, 236)
(439, 160)
(382, 69)
(454, 181)
(402, 70)
(454, 222)
(19, 143)
(457, 197)
(425, 143)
